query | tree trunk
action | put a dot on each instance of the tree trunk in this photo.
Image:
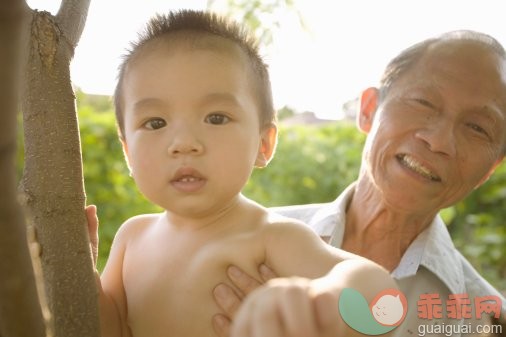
(20, 313)
(52, 182)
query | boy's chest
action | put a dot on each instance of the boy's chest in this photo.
(169, 283)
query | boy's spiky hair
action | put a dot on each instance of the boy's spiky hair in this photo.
(194, 24)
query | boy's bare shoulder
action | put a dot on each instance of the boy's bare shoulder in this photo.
(280, 221)
(277, 224)
(136, 225)
(294, 249)
(287, 232)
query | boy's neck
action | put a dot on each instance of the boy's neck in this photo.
(226, 218)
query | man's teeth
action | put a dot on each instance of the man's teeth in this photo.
(418, 167)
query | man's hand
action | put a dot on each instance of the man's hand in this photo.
(91, 215)
(33, 243)
(229, 299)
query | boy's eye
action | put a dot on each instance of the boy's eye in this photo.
(217, 119)
(155, 124)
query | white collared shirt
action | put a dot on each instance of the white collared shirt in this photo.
(430, 265)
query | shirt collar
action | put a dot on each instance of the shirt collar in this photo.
(329, 220)
(433, 248)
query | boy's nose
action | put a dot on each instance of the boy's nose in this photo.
(185, 143)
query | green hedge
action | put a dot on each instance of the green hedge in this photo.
(106, 177)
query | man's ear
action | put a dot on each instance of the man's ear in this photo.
(369, 99)
(489, 173)
(268, 141)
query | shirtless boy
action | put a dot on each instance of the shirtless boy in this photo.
(195, 115)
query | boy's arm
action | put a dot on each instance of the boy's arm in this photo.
(294, 249)
(113, 314)
(296, 307)
(112, 302)
(301, 306)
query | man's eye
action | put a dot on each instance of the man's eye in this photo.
(217, 119)
(424, 102)
(155, 124)
(477, 128)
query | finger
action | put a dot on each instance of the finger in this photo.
(266, 273)
(260, 314)
(227, 299)
(221, 325)
(31, 233)
(327, 314)
(247, 318)
(267, 321)
(33, 244)
(244, 282)
(298, 313)
(91, 216)
(240, 330)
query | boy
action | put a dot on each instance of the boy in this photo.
(195, 115)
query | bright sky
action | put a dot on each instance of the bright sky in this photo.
(344, 50)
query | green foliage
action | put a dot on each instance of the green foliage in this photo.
(260, 16)
(311, 164)
(107, 181)
(285, 112)
(478, 228)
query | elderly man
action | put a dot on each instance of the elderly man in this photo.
(436, 130)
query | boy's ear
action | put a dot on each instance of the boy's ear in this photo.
(268, 141)
(125, 153)
(369, 100)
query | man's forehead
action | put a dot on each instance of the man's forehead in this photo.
(467, 59)
(466, 66)
(466, 50)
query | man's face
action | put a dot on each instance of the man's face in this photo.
(440, 129)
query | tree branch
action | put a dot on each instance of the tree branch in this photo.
(71, 19)
(52, 182)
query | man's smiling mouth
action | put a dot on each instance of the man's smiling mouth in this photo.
(412, 164)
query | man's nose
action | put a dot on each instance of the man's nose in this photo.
(439, 137)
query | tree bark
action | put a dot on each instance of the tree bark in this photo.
(20, 313)
(52, 182)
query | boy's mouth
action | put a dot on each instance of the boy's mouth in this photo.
(188, 179)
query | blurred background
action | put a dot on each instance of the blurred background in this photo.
(321, 54)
